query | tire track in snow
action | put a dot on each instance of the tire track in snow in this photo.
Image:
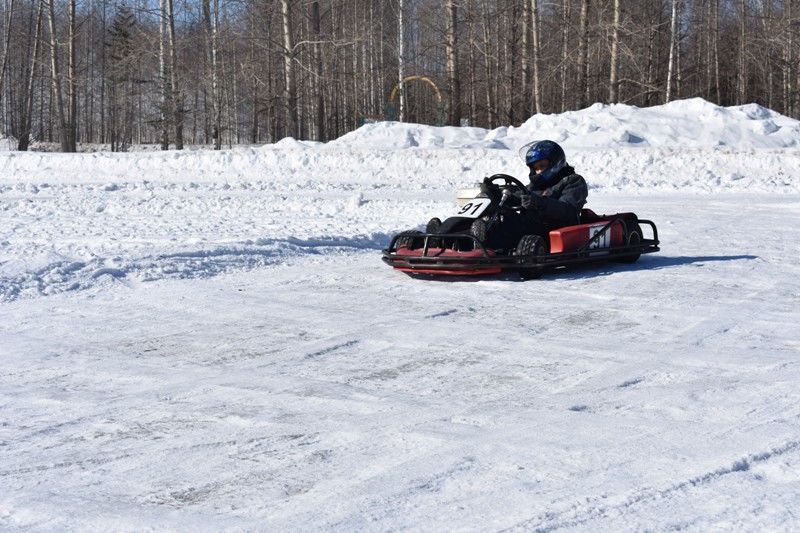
(65, 276)
(592, 508)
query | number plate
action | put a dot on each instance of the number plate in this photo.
(474, 208)
(604, 241)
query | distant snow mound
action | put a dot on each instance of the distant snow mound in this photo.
(401, 135)
(691, 123)
(291, 143)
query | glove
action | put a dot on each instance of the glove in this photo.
(531, 201)
(489, 190)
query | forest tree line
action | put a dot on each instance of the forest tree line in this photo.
(226, 72)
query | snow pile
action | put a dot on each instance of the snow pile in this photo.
(689, 145)
(694, 123)
(399, 136)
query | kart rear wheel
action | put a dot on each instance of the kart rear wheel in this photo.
(531, 245)
(634, 239)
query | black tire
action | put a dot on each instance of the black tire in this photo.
(634, 237)
(531, 245)
(433, 227)
(410, 239)
(478, 230)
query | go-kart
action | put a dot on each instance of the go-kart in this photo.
(458, 246)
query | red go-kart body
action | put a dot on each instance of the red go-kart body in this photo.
(616, 237)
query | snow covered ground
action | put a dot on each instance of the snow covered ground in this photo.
(200, 340)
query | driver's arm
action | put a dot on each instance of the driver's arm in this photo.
(567, 208)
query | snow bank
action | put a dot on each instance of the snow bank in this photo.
(694, 123)
(690, 145)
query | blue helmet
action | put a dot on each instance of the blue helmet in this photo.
(545, 150)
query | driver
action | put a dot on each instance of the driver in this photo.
(553, 198)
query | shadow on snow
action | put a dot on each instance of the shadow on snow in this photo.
(601, 268)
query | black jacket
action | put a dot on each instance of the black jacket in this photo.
(560, 204)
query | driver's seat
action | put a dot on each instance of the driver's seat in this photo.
(586, 216)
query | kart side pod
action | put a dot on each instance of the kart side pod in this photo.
(574, 237)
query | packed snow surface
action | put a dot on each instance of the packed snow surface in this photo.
(208, 340)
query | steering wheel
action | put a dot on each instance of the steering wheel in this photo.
(510, 183)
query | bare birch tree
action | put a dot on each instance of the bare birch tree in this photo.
(454, 83)
(55, 74)
(162, 73)
(27, 117)
(537, 93)
(6, 42)
(290, 89)
(175, 92)
(673, 38)
(401, 61)
(583, 54)
(613, 86)
(211, 22)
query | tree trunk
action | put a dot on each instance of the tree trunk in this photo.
(454, 89)
(709, 47)
(716, 52)
(162, 73)
(319, 97)
(678, 56)
(651, 66)
(767, 28)
(6, 42)
(72, 81)
(290, 89)
(55, 74)
(473, 67)
(789, 69)
(401, 62)
(490, 109)
(564, 52)
(525, 64)
(613, 95)
(25, 130)
(103, 136)
(254, 112)
(583, 53)
(175, 93)
(211, 20)
(742, 70)
(537, 93)
(673, 37)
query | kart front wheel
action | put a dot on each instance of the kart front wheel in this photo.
(433, 227)
(478, 230)
(409, 239)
